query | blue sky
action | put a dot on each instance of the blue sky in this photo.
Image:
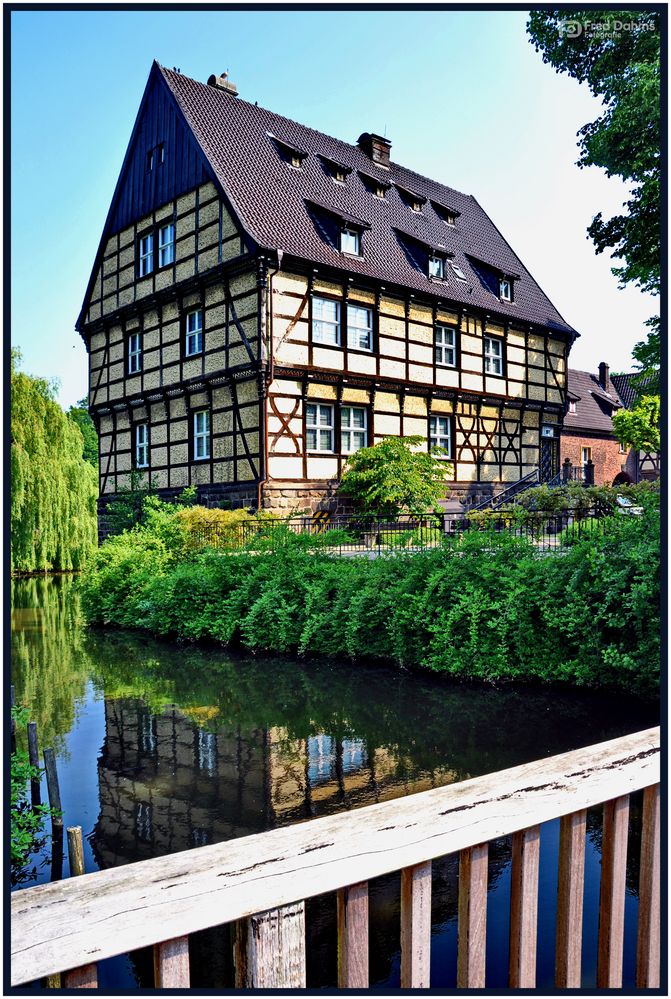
(463, 97)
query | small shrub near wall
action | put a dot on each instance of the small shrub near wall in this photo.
(484, 605)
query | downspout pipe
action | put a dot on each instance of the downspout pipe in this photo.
(267, 368)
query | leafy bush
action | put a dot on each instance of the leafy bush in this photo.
(27, 823)
(394, 477)
(483, 605)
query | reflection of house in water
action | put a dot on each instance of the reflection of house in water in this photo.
(167, 784)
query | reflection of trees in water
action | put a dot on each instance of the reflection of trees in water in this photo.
(595, 833)
(50, 666)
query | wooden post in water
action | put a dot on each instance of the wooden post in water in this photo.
(85, 977)
(53, 789)
(34, 760)
(269, 950)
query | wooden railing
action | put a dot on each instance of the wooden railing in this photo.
(260, 882)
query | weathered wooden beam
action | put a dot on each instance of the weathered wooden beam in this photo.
(53, 789)
(472, 918)
(171, 964)
(611, 899)
(524, 908)
(648, 943)
(353, 936)
(34, 760)
(571, 881)
(85, 977)
(269, 951)
(416, 926)
(232, 880)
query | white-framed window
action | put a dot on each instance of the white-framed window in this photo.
(207, 751)
(353, 428)
(166, 245)
(505, 289)
(436, 266)
(194, 332)
(586, 454)
(493, 356)
(571, 407)
(146, 255)
(359, 327)
(201, 434)
(380, 191)
(458, 271)
(445, 346)
(134, 353)
(440, 433)
(141, 445)
(319, 427)
(350, 241)
(326, 321)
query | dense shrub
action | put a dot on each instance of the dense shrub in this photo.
(483, 605)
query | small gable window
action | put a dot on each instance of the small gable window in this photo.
(350, 241)
(571, 407)
(194, 333)
(505, 289)
(166, 245)
(155, 157)
(146, 255)
(436, 266)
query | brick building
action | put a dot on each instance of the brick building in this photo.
(587, 434)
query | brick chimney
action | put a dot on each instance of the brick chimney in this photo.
(376, 147)
(223, 83)
(603, 375)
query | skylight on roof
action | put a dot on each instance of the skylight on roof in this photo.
(458, 271)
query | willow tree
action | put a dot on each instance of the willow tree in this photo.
(54, 491)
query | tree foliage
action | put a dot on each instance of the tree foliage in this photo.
(639, 427)
(54, 491)
(79, 414)
(623, 69)
(393, 477)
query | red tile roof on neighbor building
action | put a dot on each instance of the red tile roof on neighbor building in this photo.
(274, 201)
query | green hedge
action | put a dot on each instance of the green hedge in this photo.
(484, 606)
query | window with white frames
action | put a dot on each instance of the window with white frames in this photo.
(194, 332)
(350, 241)
(445, 346)
(326, 321)
(134, 353)
(440, 433)
(146, 254)
(505, 289)
(359, 327)
(353, 428)
(571, 407)
(493, 356)
(586, 454)
(201, 434)
(436, 266)
(166, 245)
(141, 445)
(319, 427)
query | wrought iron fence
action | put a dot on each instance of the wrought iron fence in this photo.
(546, 530)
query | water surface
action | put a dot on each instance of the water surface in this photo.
(164, 747)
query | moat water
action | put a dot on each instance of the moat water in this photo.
(162, 747)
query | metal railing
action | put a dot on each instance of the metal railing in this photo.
(260, 884)
(494, 502)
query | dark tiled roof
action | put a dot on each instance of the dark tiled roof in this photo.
(594, 406)
(271, 201)
(627, 391)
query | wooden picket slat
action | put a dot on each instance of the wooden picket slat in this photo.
(97, 916)
(416, 926)
(611, 900)
(171, 964)
(524, 908)
(85, 977)
(472, 917)
(269, 951)
(648, 943)
(353, 936)
(571, 882)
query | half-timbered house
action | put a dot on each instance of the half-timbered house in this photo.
(267, 299)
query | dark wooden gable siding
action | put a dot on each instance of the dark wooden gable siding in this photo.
(140, 190)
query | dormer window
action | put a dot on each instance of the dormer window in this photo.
(436, 266)
(571, 407)
(505, 289)
(458, 271)
(296, 161)
(414, 201)
(448, 215)
(292, 155)
(380, 191)
(416, 205)
(339, 175)
(338, 171)
(350, 241)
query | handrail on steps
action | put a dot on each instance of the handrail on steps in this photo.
(260, 882)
